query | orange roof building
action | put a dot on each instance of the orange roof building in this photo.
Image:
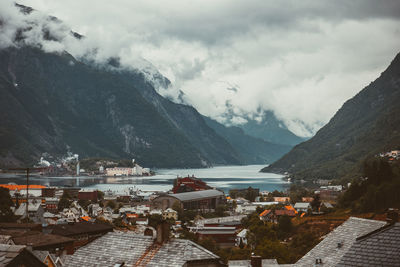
(86, 218)
(13, 187)
(265, 212)
(290, 207)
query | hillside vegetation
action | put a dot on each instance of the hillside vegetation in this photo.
(367, 124)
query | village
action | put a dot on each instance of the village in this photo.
(72, 226)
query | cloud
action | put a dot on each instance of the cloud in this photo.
(300, 59)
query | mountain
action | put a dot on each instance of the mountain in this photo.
(271, 130)
(251, 150)
(54, 103)
(367, 124)
(186, 119)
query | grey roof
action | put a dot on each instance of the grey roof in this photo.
(247, 263)
(116, 247)
(9, 252)
(302, 205)
(329, 251)
(195, 195)
(220, 220)
(380, 248)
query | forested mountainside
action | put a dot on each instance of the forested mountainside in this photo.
(367, 124)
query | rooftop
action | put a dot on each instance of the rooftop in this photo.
(197, 195)
(380, 248)
(331, 249)
(79, 228)
(115, 247)
(41, 240)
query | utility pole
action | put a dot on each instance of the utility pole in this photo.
(27, 170)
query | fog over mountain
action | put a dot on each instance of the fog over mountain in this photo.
(301, 60)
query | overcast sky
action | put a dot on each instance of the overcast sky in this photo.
(301, 59)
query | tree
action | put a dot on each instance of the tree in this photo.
(285, 224)
(6, 214)
(155, 220)
(111, 204)
(220, 210)
(65, 201)
(316, 202)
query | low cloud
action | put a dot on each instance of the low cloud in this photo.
(300, 59)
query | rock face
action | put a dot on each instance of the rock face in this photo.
(365, 125)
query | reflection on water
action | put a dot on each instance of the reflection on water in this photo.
(225, 178)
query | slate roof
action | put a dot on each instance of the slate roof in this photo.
(345, 235)
(13, 255)
(380, 248)
(115, 247)
(8, 253)
(195, 195)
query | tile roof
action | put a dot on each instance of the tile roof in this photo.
(380, 248)
(116, 247)
(197, 195)
(329, 249)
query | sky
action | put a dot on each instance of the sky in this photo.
(300, 59)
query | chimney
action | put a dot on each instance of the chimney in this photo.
(256, 261)
(392, 216)
(162, 232)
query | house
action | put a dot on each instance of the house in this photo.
(35, 211)
(196, 200)
(51, 204)
(307, 199)
(274, 215)
(230, 221)
(142, 221)
(378, 248)
(282, 199)
(170, 214)
(302, 206)
(246, 208)
(16, 255)
(224, 236)
(45, 257)
(241, 237)
(128, 249)
(332, 248)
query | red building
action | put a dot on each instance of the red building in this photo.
(88, 195)
(188, 184)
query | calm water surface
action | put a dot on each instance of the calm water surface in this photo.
(224, 177)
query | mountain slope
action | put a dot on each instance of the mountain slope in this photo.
(188, 120)
(271, 130)
(52, 103)
(367, 124)
(251, 150)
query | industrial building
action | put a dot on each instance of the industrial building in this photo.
(196, 200)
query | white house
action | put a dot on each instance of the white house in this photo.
(302, 206)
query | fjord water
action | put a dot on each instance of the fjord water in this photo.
(221, 177)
